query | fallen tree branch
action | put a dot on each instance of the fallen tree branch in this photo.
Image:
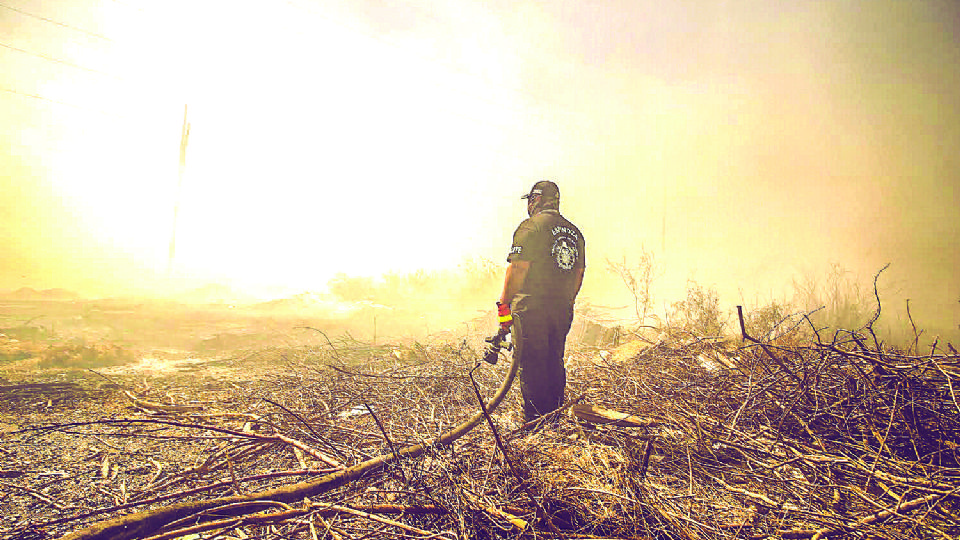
(185, 493)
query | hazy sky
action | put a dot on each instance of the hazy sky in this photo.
(744, 143)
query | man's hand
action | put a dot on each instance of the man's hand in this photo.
(504, 315)
(495, 343)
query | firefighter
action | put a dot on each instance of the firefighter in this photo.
(539, 290)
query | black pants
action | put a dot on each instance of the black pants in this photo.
(540, 334)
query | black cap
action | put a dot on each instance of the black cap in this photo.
(545, 189)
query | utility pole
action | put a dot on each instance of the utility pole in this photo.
(663, 222)
(663, 214)
(184, 135)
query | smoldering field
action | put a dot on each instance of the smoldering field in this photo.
(214, 320)
(632, 294)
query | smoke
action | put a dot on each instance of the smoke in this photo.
(748, 146)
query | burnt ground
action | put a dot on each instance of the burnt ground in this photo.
(812, 436)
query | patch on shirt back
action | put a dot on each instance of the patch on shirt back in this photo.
(564, 251)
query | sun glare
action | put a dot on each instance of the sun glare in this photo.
(309, 139)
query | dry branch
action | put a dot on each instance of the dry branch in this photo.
(599, 415)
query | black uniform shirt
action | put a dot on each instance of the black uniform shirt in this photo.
(555, 248)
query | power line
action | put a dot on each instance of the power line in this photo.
(122, 80)
(460, 113)
(58, 23)
(63, 103)
(383, 40)
(60, 61)
(503, 125)
(352, 28)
